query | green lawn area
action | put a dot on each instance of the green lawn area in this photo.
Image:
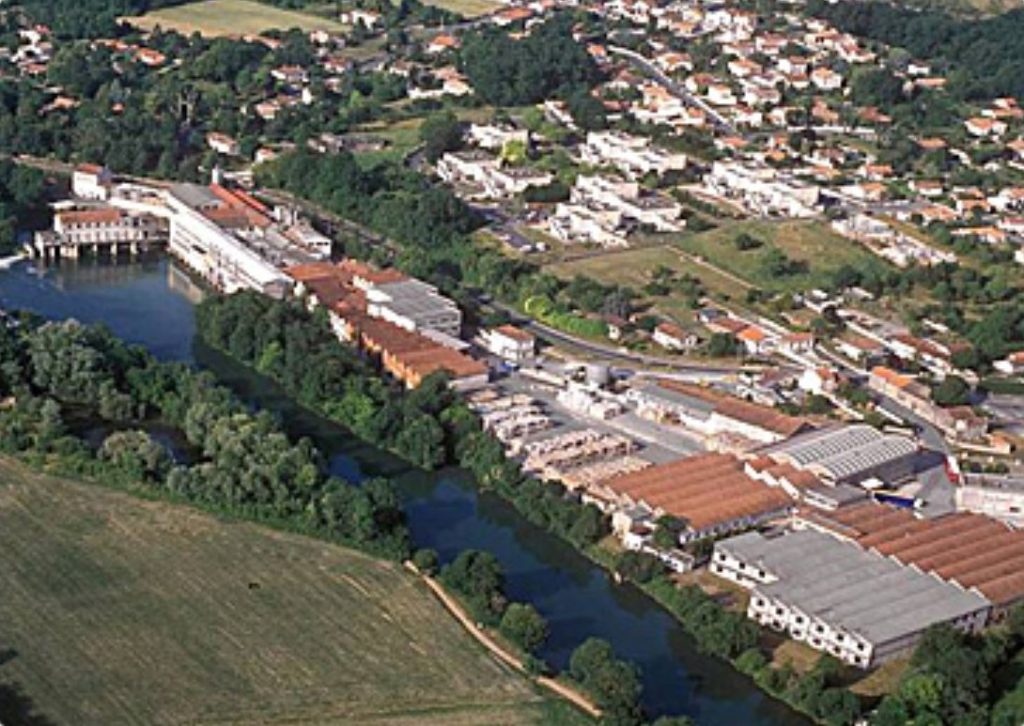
(468, 8)
(633, 268)
(120, 610)
(214, 18)
(811, 241)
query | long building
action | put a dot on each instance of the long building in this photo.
(409, 352)
(970, 550)
(207, 225)
(711, 493)
(859, 605)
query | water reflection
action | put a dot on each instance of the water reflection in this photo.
(145, 302)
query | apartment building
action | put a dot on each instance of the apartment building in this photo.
(763, 190)
(632, 155)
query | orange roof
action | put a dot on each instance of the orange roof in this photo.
(752, 334)
(739, 410)
(510, 331)
(103, 215)
(891, 377)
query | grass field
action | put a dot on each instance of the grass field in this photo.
(232, 17)
(810, 241)
(119, 610)
(468, 8)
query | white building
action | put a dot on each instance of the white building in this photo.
(413, 305)
(89, 181)
(763, 190)
(510, 343)
(860, 606)
(632, 155)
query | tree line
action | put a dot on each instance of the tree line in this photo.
(53, 375)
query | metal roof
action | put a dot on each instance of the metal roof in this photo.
(855, 591)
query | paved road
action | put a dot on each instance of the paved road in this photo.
(677, 90)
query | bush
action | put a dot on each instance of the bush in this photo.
(426, 560)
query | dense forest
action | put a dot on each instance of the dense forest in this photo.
(986, 55)
(515, 72)
(21, 195)
(53, 375)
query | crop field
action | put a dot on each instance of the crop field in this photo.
(118, 610)
(214, 18)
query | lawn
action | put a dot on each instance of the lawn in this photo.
(633, 268)
(119, 610)
(810, 241)
(232, 17)
(467, 8)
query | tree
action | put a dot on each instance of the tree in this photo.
(666, 536)
(744, 241)
(613, 683)
(524, 626)
(721, 345)
(477, 576)
(426, 560)
(952, 391)
(440, 132)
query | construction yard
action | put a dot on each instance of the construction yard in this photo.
(214, 18)
(119, 610)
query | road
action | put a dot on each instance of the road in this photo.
(677, 90)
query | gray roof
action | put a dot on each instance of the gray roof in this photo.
(194, 195)
(854, 590)
(693, 404)
(843, 452)
(415, 298)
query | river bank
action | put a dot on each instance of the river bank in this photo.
(145, 303)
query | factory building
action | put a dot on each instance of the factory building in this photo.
(859, 605)
(204, 225)
(848, 454)
(711, 493)
(969, 550)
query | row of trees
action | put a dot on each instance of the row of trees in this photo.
(58, 373)
(286, 342)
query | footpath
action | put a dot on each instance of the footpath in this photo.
(560, 689)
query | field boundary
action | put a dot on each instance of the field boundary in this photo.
(560, 689)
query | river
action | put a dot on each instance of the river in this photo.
(151, 303)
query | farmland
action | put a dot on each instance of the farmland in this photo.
(214, 18)
(118, 610)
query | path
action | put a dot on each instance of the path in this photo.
(570, 694)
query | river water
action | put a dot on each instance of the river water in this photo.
(151, 303)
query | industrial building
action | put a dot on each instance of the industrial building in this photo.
(969, 550)
(724, 420)
(860, 606)
(96, 229)
(848, 454)
(206, 228)
(373, 309)
(711, 493)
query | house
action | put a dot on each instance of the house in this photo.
(797, 342)
(671, 337)
(510, 343)
(982, 127)
(826, 79)
(222, 143)
(1012, 364)
(90, 181)
(442, 43)
(755, 340)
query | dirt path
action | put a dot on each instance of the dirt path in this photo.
(570, 694)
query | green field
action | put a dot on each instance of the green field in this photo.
(810, 241)
(232, 17)
(119, 610)
(468, 8)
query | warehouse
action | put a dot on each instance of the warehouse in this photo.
(860, 606)
(711, 493)
(969, 550)
(848, 454)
